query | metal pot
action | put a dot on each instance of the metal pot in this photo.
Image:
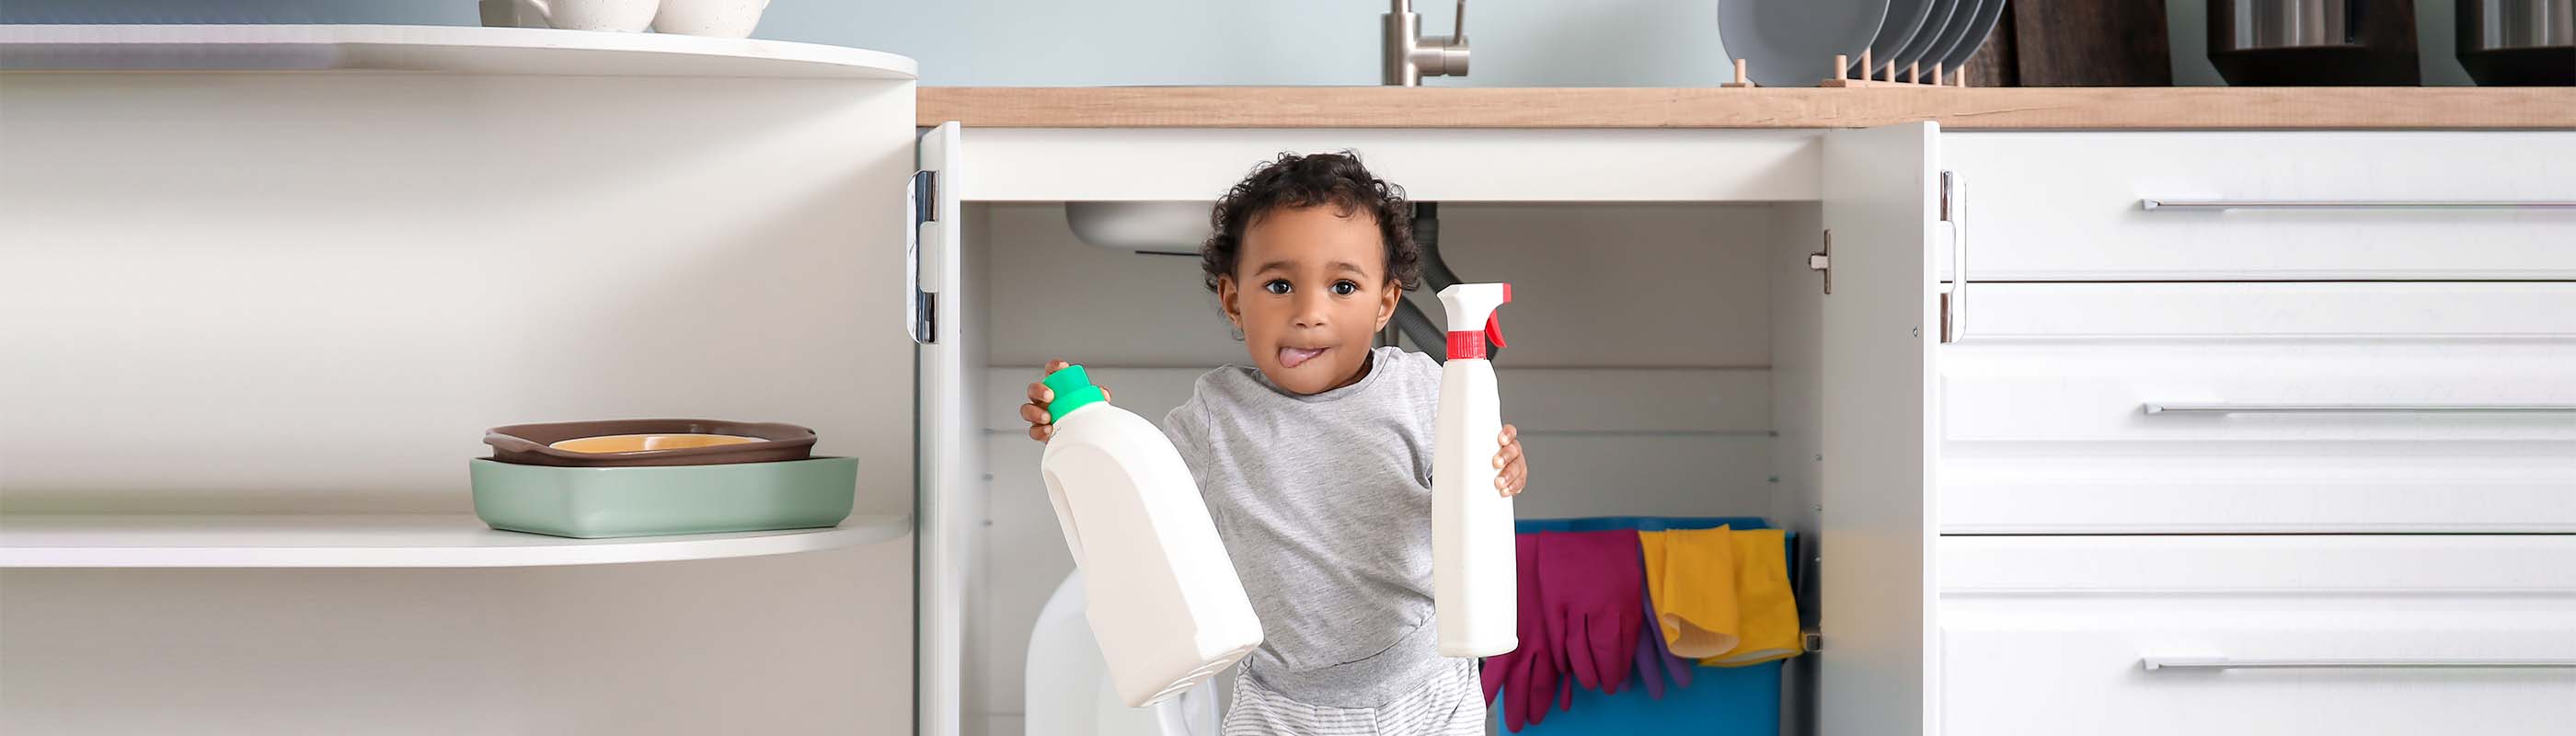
(2518, 42)
(2314, 42)
(2281, 24)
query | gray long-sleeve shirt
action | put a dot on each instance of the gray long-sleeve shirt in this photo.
(1324, 503)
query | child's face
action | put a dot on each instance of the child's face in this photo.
(1309, 290)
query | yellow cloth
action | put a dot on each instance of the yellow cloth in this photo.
(1690, 576)
(1767, 614)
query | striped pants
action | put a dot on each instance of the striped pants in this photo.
(1451, 704)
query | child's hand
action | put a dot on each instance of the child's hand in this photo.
(1515, 466)
(1041, 423)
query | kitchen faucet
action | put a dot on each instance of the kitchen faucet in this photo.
(1408, 59)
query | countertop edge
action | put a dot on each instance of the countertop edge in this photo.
(1957, 108)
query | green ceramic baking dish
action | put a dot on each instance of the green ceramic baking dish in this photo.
(591, 503)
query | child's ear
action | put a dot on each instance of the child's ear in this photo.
(1225, 300)
(1386, 300)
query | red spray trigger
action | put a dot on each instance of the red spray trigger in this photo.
(1466, 342)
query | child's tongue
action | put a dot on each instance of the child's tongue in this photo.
(1292, 357)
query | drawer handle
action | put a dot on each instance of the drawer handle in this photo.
(2359, 408)
(2156, 664)
(2152, 205)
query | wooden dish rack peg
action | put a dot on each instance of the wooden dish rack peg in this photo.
(1740, 81)
(1913, 77)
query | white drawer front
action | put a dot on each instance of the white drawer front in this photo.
(2068, 206)
(2076, 408)
(2258, 635)
(2299, 398)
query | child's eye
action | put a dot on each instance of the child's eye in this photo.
(1345, 288)
(1275, 286)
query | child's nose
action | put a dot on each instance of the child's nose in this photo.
(1312, 310)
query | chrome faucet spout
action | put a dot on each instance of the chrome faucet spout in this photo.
(1408, 57)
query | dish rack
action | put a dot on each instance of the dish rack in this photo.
(1842, 79)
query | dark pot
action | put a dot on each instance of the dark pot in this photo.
(2314, 42)
(2518, 42)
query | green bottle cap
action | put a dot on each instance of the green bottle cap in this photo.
(1073, 390)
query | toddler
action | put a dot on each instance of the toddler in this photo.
(1315, 460)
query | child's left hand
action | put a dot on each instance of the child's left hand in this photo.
(1515, 475)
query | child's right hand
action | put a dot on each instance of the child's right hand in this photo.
(1041, 423)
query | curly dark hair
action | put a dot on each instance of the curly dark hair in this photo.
(1294, 181)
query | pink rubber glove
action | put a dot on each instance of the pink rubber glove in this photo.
(1590, 583)
(1536, 678)
(1527, 675)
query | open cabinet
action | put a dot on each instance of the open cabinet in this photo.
(262, 288)
(1708, 323)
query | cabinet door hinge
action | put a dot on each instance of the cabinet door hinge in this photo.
(1954, 224)
(922, 308)
(1823, 261)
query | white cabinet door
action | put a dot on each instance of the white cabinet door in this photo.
(1874, 535)
(2345, 634)
(950, 512)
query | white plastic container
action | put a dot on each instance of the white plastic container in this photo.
(1164, 601)
(1474, 581)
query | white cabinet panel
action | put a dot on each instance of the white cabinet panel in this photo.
(1075, 165)
(2258, 635)
(381, 265)
(2262, 407)
(2068, 206)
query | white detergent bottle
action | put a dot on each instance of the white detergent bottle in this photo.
(1163, 598)
(1474, 582)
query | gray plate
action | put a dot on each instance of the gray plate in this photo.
(1981, 26)
(1792, 43)
(1935, 18)
(1926, 45)
(1963, 14)
(1954, 23)
(1904, 28)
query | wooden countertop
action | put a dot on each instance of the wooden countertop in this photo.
(2029, 108)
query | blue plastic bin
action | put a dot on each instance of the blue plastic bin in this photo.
(1721, 701)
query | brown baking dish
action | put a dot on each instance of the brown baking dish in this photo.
(682, 442)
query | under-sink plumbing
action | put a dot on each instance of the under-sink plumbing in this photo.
(1408, 58)
(1409, 320)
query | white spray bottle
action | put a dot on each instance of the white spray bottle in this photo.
(1474, 583)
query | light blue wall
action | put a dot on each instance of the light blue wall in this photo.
(1107, 42)
(1519, 43)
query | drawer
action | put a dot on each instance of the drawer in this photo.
(2098, 408)
(2257, 635)
(2070, 206)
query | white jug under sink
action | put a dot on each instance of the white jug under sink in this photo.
(1068, 687)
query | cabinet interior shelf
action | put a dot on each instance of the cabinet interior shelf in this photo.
(375, 541)
(453, 49)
